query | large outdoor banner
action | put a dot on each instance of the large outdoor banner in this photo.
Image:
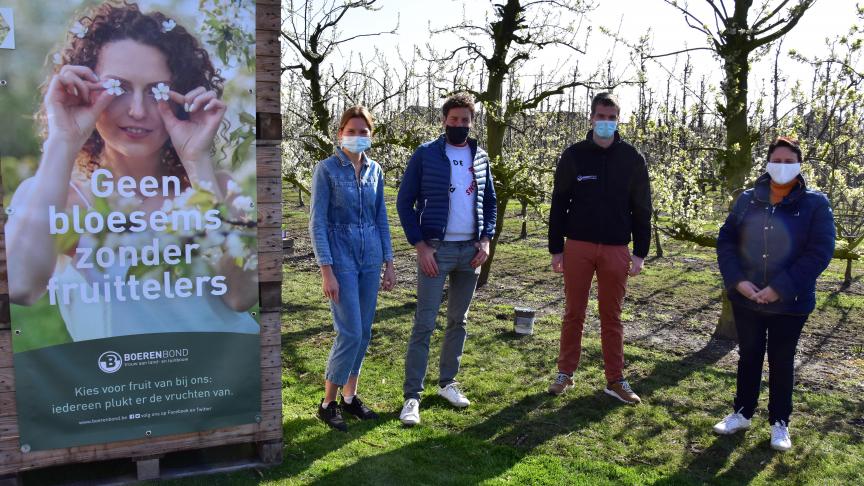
(128, 167)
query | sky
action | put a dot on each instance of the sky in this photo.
(629, 18)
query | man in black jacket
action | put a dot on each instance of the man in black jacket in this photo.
(601, 197)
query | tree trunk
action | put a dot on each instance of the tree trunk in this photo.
(524, 214)
(495, 131)
(499, 226)
(739, 140)
(320, 113)
(300, 197)
(726, 327)
(847, 277)
(658, 249)
(739, 149)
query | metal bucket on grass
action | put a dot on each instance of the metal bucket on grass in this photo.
(523, 320)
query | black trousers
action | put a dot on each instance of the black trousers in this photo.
(779, 333)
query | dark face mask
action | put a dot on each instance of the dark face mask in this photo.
(456, 135)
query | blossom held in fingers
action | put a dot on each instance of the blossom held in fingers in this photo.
(168, 25)
(78, 30)
(113, 87)
(160, 91)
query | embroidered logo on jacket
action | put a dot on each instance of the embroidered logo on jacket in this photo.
(582, 178)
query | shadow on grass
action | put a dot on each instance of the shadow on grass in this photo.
(512, 433)
(708, 461)
(301, 455)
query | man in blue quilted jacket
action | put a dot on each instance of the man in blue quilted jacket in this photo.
(446, 205)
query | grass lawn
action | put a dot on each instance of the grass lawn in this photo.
(513, 433)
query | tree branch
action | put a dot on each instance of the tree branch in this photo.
(690, 49)
(796, 13)
(759, 21)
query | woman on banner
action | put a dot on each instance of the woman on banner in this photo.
(775, 243)
(351, 239)
(129, 115)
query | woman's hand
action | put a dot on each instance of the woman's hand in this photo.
(766, 296)
(388, 280)
(747, 289)
(329, 284)
(73, 102)
(193, 138)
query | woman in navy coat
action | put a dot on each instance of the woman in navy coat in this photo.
(777, 240)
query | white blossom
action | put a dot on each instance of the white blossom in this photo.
(168, 25)
(233, 187)
(183, 199)
(160, 91)
(234, 245)
(251, 263)
(212, 239)
(207, 186)
(78, 30)
(212, 255)
(243, 203)
(113, 87)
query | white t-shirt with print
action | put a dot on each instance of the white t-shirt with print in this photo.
(463, 193)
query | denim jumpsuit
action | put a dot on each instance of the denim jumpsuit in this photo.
(349, 230)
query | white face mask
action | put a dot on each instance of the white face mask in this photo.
(783, 173)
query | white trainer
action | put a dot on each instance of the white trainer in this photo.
(410, 414)
(780, 440)
(453, 395)
(731, 423)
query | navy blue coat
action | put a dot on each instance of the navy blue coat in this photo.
(423, 201)
(785, 246)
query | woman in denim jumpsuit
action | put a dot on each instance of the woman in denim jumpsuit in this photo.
(351, 239)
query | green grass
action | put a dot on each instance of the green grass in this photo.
(513, 433)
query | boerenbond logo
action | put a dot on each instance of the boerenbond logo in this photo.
(110, 361)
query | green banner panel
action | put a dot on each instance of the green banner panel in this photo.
(134, 387)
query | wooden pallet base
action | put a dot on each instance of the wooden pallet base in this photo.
(197, 462)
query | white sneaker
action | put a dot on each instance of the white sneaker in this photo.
(731, 423)
(410, 412)
(780, 440)
(454, 396)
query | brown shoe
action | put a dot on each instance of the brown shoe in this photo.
(562, 383)
(622, 391)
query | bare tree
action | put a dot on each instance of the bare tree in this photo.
(311, 35)
(734, 39)
(518, 30)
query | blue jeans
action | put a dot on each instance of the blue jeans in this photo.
(453, 259)
(352, 320)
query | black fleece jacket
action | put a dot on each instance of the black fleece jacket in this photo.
(601, 195)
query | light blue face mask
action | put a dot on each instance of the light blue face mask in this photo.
(605, 128)
(356, 144)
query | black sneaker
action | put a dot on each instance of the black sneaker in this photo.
(358, 409)
(332, 416)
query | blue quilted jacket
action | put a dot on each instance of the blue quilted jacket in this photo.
(785, 246)
(423, 202)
